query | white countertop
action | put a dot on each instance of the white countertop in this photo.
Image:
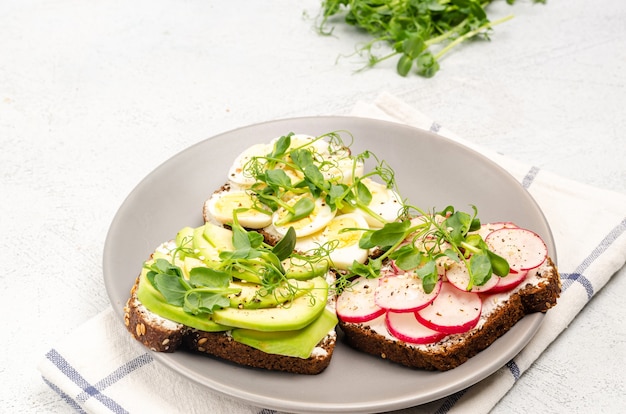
(96, 94)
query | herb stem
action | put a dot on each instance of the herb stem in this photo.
(470, 34)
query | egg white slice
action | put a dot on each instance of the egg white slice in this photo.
(314, 222)
(340, 170)
(345, 242)
(238, 173)
(385, 203)
(222, 204)
(299, 140)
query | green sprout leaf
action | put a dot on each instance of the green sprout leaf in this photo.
(390, 234)
(207, 277)
(363, 194)
(171, 287)
(407, 257)
(404, 65)
(277, 178)
(480, 269)
(198, 302)
(428, 274)
(499, 265)
(284, 248)
(302, 158)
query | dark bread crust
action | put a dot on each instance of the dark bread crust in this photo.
(154, 332)
(162, 335)
(454, 350)
(223, 346)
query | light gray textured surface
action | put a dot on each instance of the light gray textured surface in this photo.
(95, 94)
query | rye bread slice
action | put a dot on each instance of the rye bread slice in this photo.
(163, 335)
(454, 350)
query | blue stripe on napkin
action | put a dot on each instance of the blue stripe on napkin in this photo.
(69, 400)
(449, 402)
(530, 177)
(96, 389)
(577, 275)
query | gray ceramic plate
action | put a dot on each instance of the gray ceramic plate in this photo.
(431, 172)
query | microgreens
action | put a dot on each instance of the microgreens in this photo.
(252, 254)
(307, 180)
(413, 28)
(415, 245)
(203, 292)
(206, 289)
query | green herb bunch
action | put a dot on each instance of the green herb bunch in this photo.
(414, 28)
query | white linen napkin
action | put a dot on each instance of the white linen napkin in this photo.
(126, 378)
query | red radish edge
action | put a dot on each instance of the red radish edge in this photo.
(442, 313)
(522, 248)
(404, 293)
(508, 282)
(407, 328)
(357, 305)
(458, 275)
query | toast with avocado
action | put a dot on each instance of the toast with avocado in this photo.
(277, 313)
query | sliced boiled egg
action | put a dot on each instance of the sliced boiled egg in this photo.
(344, 232)
(314, 222)
(239, 172)
(294, 175)
(342, 170)
(317, 146)
(334, 161)
(385, 204)
(250, 214)
(341, 243)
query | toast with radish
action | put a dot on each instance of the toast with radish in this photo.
(439, 328)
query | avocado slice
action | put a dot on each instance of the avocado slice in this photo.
(252, 295)
(209, 240)
(302, 270)
(219, 237)
(184, 240)
(299, 343)
(189, 263)
(290, 316)
(155, 303)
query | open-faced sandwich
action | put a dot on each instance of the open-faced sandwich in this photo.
(301, 238)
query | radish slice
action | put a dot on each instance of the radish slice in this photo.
(508, 282)
(458, 275)
(522, 248)
(487, 228)
(407, 328)
(453, 311)
(356, 304)
(403, 293)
